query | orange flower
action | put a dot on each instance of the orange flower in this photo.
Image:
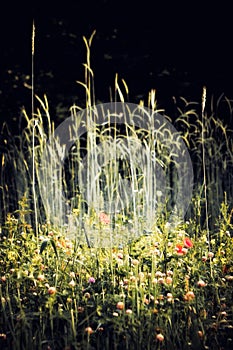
(120, 305)
(189, 296)
(89, 330)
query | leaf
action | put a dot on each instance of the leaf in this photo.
(45, 243)
(54, 247)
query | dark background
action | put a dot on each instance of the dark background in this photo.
(173, 47)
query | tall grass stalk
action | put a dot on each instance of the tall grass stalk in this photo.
(204, 130)
(33, 135)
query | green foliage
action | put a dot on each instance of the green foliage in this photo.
(164, 283)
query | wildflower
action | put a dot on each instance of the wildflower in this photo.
(161, 280)
(179, 249)
(210, 255)
(72, 283)
(133, 278)
(87, 295)
(187, 242)
(91, 280)
(158, 274)
(120, 255)
(160, 337)
(104, 218)
(41, 278)
(115, 314)
(129, 312)
(189, 296)
(3, 278)
(89, 330)
(120, 305)
(72, 274)
(201, 283)
(135, 262)
(156, 252)
(51, 290)
(169, 280)
(169, 297)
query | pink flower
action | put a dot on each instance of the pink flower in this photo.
(91, 280)
(201, 283)
(160, 337)
(129, 312)
(104, 218)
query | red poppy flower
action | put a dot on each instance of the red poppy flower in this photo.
(179, 249)
(188, 243)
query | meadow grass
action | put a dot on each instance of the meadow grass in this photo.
(112, 272)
